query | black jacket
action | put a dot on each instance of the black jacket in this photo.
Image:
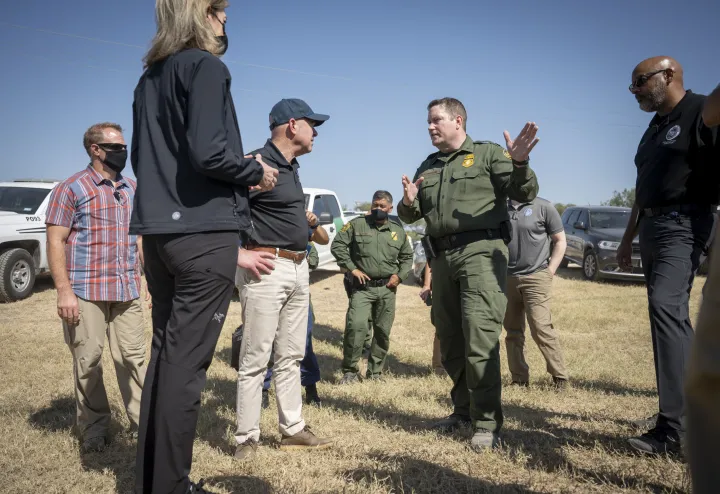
(186, 150)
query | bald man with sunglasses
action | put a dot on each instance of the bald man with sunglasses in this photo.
(676, 193)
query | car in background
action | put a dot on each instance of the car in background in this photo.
(349, 215)
(23, 254)
(325, 205)
(593, 236)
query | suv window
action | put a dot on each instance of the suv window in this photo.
(566, 214)
(609, 219)
(584, 217)
(572, 217)
(22, 200)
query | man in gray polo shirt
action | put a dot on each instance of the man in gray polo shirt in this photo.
(537, 230)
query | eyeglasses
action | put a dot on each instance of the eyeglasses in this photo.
(643, 79)
(112, 146)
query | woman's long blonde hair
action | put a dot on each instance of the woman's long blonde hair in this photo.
(183, 24)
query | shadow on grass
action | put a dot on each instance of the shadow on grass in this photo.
(238, 484)
(58, 416)
(611, 387)
(407, 474)
(537, 441)
(118, 456)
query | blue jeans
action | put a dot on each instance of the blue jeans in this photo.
(309, 368)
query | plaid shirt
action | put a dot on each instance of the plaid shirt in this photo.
(102, 258)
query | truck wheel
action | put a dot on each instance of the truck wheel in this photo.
(591, 270)
(17, 275)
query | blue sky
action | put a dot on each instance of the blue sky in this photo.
(373, 66)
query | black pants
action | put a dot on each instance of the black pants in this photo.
(191, 280)
(672, 247)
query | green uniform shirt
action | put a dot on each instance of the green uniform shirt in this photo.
(313, 258)
(379, 251)
(468, 189)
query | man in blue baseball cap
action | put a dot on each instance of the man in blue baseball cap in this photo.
(275, 309)
(286, 110)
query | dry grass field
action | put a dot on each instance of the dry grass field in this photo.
(553, 442)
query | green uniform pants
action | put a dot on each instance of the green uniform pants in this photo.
(468, 308)
(378, 305)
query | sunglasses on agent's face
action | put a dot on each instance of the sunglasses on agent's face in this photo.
(112, 146)
(643, 79)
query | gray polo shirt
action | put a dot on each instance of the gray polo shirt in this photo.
(532, 225)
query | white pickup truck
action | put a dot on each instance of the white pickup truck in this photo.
(326, 206)
(23, 255)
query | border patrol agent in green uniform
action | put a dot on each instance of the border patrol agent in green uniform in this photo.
(379, 255)
(462, 192)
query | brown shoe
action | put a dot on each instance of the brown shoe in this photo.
(246, 450)
(304, 439)
(561, 384)
(94, 444)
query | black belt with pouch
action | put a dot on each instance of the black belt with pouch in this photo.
(356, 285)
(440, 244)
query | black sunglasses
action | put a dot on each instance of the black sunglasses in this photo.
(643, 79)
(112, 146)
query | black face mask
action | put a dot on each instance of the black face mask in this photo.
(115, 160)
(378, 215)
(222, 39)
(223, 44)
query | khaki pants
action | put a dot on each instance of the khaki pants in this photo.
(437, 357)
(703, 386)
(123, 324)
(530, 296)
(274, 312)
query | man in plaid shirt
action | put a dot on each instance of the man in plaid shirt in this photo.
(95, 264)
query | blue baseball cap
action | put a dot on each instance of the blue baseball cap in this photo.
(294, 108)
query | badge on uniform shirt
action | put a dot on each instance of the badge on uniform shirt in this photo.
(672, 134)
(468, 161)
(506, 154)
(393, 235)
(528, 211)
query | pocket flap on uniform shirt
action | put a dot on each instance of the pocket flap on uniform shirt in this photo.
(463, 173)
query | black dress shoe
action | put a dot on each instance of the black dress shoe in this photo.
(656, 442)
(198, 488)
(311, 396)
(451, 423)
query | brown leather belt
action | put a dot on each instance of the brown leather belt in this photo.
(296, 257)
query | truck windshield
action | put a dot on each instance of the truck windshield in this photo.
(609, 219)
(22, 200)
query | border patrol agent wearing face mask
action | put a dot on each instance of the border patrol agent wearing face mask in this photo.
(378, 254)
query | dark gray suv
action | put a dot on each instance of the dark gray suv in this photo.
(593, 236)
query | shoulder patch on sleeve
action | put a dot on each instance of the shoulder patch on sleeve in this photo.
(346, 227)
